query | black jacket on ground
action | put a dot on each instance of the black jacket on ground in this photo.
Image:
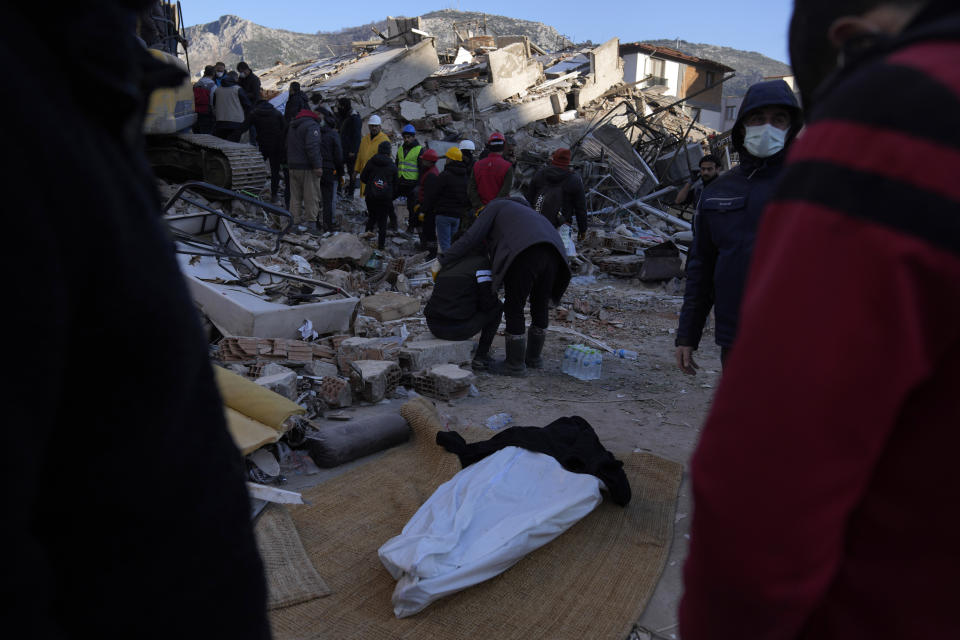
(447, 195)
(574, 197)
(303, 142)
(504, 229)
(271, 128)
(571, 441)
(725, 227)
(380, 169)
(296, 102)
(130, 502)
(331, 151)
(462, 290)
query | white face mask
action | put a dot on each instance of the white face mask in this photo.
(219, 74)
(764, 141)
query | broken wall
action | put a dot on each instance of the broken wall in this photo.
(404, 72)
(511, 71)
(606, 70)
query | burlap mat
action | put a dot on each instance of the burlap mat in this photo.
(590, 583)
(291, 578)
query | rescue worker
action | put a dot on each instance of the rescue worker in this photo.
(446, 198)
(369, 146)
(528, 258)
(725, 226)
(269, 122)
(492, 177)
(428, 228)
(378, 181)
(306, 167)
(557, 193)
(351, 131)
(467, 149)
(408, 171)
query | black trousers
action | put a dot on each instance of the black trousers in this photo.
(328, 184)
(348, 160)
(379, 211)
(485, 322)
(274, 157)
(406, 190)
(228, 131)
(204, 123)
(530, 276)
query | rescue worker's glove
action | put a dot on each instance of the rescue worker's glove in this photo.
(435, 269)
(479, 211)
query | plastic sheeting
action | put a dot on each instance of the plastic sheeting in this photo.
(481, 522)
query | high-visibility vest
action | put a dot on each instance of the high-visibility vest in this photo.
(407, 165)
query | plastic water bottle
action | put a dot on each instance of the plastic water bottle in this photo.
(625, 354)
(594, 360)
(581, 365)
(567, 357)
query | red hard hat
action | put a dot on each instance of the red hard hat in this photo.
(429, 155)
(495, 138)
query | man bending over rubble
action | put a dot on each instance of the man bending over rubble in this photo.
(726, 222)
(825, 486)
(528, 258)
(126, 513)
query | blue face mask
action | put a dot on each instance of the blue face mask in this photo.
(764, 140)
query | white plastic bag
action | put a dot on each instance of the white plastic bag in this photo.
(566, 235)
(481, 522)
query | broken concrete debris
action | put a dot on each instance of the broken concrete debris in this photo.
(390, 306)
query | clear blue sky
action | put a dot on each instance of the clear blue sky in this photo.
(753, 25)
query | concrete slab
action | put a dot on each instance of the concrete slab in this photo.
(606, 70)
(410, 110)
(390, 306)
(344, 246)
(511, 72)
(509, 120)
(393, 79)
(373, 380)
(418, 355)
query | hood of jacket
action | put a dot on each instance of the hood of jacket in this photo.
(381, 160)
(306, 113)
(227, 81)
(772, 93)
(456, 167)
(556, 175)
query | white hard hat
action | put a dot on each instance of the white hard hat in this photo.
(467, 145)
(374, 120)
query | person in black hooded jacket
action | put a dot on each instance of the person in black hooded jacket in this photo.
(446, 198)
(562, 191)
(381, 184)
(332, 154)
(296, 102)
(271, 131)
(725, 226)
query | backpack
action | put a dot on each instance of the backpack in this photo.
(201, 99)
(550, 203)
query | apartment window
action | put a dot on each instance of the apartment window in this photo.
(731, 113)
(657, 69)
(711, 78)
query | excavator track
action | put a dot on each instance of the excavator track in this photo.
(231, 165)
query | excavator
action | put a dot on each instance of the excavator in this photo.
(173, 151)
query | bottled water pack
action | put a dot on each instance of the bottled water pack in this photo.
(582, 362)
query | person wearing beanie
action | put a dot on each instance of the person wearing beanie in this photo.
(296, 102)
(368, 146)
(428, 228)
(446, 198)
(492, 176)
(558, 193)
(408, 168)
(378, 181)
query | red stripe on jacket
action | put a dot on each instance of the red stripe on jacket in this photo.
(939, 60)
(888, 153)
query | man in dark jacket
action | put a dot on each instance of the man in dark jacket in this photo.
(250, 85)
(446, 199)
(408, 166)
(269, 122)
(306, 167)
(296, 102)
(463, 303)
(528, 258)
(351, 131)
(838, 411)
(379, 177)
(156, 517)
(726, 223)
(332, 155)
(557, 193)
(690, 193)
(428, 226)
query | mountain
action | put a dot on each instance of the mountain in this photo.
(751, 67)
(231, 38)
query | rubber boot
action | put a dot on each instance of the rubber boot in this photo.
(516, 347)
(535, 339)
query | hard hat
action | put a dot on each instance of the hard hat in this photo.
(454, 154)
(467, 145)
(374, 120)
(496, 138)
(429, 156)
(408, 128)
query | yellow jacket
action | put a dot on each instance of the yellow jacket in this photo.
(368, 149)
